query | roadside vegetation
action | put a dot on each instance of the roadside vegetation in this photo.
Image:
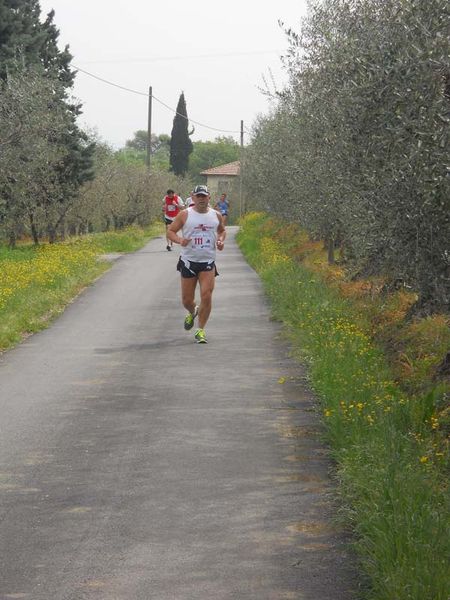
(57, 180)
(37, 282)
(384, 400)
(350, 173)
(356, 146)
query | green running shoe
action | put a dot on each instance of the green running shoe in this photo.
(189, 320)
(200, 336)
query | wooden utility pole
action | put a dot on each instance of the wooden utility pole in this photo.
(149, 128)
(241, 161)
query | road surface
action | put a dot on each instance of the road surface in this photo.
(136, 464)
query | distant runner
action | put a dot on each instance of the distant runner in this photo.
(223, 206)
(172, 204)
(202, 231)
(189, 201)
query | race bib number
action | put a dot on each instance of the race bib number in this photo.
(203, 239)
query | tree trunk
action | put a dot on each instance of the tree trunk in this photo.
(51, 231)
(63, 229)
(34, 231)
(330, 250)
(12, 239)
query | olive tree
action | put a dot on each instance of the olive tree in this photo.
(31, 123)
(357, 148)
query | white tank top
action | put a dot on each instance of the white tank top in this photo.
(201, 228)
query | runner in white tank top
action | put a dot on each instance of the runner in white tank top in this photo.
(202, 232)
(201, 229)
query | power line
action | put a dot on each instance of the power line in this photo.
(184, 57)
(121, 87)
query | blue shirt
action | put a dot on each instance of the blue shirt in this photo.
(222, 205)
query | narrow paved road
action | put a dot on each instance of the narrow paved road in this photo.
(137, 465)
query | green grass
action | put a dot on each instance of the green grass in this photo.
(389, 465)
(128, 240)
(18, 254)
(37, 283)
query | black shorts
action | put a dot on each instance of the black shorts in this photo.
(195, 268)
(168, 221)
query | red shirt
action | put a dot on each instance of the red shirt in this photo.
(171, 206)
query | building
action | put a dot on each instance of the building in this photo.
(223, 179)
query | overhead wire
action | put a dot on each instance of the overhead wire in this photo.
(184, 57)
(121, 87)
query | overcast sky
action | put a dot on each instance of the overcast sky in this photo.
(216, 52)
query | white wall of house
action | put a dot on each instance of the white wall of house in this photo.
(219, 184)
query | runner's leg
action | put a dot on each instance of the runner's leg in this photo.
(168, 242)
(206, 280)
(188, 285)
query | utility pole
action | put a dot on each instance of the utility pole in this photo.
(149, 127)
(241, 161)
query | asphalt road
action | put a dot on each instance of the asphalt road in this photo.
(137, 465)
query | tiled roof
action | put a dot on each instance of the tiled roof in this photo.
(231, 168)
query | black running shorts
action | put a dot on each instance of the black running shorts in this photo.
(195, 268)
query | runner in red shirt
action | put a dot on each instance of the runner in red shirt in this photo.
(172, 204)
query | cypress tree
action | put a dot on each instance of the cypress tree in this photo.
(180, 143)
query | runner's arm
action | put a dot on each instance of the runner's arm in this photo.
(221, 233)
(175, 227)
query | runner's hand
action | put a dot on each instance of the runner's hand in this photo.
(219, 244)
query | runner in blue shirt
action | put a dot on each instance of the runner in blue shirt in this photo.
(223, 206)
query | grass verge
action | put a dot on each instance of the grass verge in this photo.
(36, 283)
(390, 447)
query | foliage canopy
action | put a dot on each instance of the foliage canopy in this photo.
(358, 141)
(44, 156)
